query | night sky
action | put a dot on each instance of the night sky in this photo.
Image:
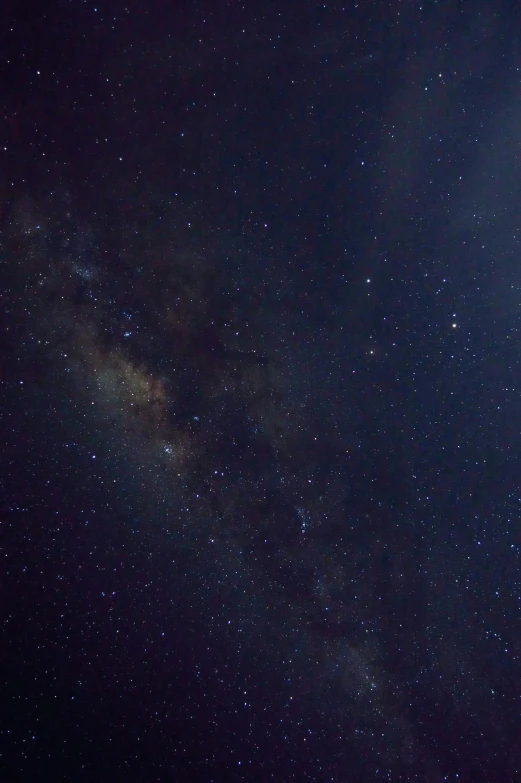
(260, 375)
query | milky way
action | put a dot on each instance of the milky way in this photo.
(184, 396)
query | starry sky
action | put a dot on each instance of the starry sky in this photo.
(260, 383)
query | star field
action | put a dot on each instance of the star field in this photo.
(260, 392)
